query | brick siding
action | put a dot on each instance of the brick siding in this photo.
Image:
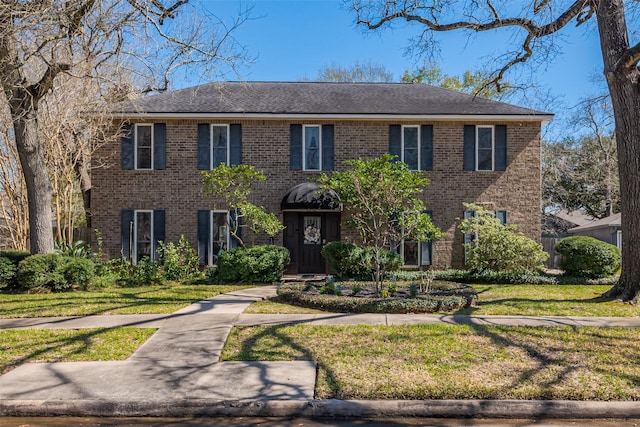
(265, 144)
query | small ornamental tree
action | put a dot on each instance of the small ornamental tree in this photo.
(381, 196)
(233, 185)
(499, 247)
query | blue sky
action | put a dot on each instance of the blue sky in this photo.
(292, 40)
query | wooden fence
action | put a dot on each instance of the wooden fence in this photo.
(548, 244)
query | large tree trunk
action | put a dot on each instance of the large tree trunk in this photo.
(82, 174)
(625, 96)
(36, 176)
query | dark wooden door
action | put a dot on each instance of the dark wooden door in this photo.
(305, 235)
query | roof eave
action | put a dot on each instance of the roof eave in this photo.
(543, 118)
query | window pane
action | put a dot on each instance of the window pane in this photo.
(411, 137)
(411, 159)
(144, 158)
(410, 253)
(219, 234)
(312, 147)
(143, 235)
(485, 160)
(143, 135)
(484, 138)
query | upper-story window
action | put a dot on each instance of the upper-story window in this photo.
(311, 147)
(312, 143)
(485, 148)
(144, 146)
(412, 144)
(219, 144)
(411, 147)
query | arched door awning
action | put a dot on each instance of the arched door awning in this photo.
(309, 196)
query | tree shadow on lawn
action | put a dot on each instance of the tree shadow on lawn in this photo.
(520, 302)
(41, 305)
(559, 364)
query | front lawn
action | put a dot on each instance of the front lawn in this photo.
(550, 300)
(68, 345)
(158, 299)
(454, 361)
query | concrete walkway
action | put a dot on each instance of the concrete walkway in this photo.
(177, 371)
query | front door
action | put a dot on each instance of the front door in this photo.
(305, 235)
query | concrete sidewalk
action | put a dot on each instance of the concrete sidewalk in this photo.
(177, 371)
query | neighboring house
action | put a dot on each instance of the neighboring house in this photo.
(607, 229)
(472, 149)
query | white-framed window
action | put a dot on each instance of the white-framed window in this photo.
(410, 146)
(143, 146)
(220, 150)
(219, 238)
(485, 148)
(143, 240)
(312, 147)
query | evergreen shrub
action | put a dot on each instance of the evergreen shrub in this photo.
(588, 256)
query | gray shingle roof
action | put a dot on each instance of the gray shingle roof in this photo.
(321, 98)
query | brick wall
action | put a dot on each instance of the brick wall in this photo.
(177, 189)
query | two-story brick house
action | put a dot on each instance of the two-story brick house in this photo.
(472, 149)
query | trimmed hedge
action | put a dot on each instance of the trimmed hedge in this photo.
(496, 278)
(42, 271)
(444, 297)
(587, 256)
(259, 264)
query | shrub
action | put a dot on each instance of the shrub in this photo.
(15, 256)
(587, 256)
(180, 262)
(79, 271)
(77, 249)
(42, 271)
(262, 264)
(355, 262)
(145, 272)
(499, 247)
(7, 272)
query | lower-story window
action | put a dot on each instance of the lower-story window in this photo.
(416, 253)
(142, 232)
(219, 238)
(214, 235)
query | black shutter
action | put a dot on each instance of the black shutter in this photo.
(469, 147)
(159, 145)
(235, 144)
(126, 220)
(426, 147)
(501, 147)
(327, 147)
(204, 233)
(204, 146)
(127, 146)
(395, 141)
(502, 216)
(295, 154)
(158, 233)
(426, 250)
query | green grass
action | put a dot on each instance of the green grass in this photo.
(67, 345)
(526, 300)
(552, 300)
(160, 299)
(454, 361)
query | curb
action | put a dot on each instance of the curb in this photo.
(525, 409)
